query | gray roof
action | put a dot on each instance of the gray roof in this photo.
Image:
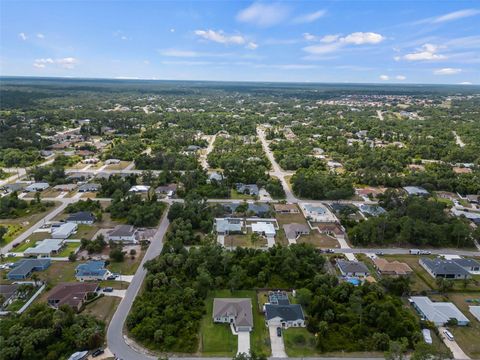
(415, 190)
(14, 187)
(291, 230)
(46, 246)
(475, 310)
(8, 290)
(437, 312)
(81, 216)
(352, 266)
(88, 186)
(463, 262)
(289, 312)
(440, 266)
(122, 231)
(252, 188)
(25, 266)
(241, 309)
(228, 224)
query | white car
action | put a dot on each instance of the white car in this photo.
(448, 335)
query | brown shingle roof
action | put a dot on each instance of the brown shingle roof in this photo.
(72, 294)
(394, 267)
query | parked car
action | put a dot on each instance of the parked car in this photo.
(448, 335)
(108, 289)
(379, 253)
(329, 251)
(98, 352)
(279, 331)
(111, 277)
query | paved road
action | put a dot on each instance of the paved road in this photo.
(64, 203)
(277, 170)
(394, 251)
(115, 338)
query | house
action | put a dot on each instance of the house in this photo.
(475, 310)
(9, 293)
(440, 313)
(214, 176)
(284, 315)
(123, 233)
(71, 294)
(79, 355)
(352, 268)
(39, 186)
(193, 148)
(294, 230)
(286, 208)
(372, 210)
(448, 269)
(169, 190)
(264, 228)
(81, 217)
(112, 161)
(22, 269)
(93, 270)
(92, 160)
(249, 189)
(470, 265)
(16, 187)
(394, 268)
(90, 187)
(260, 210)
(332, 229)
(237, 312)
(45, 248)
(225, 226)
(65, 187)
(139, 189)
(416, 191)
(78, 176)
(64, 230)
(318, 213)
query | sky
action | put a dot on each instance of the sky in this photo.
(422, 41)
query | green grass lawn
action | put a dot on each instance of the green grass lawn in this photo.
(12, 232)
(299, 342)
(127, 266)
(69, 248)
(58, 272)
(85, 232)
(235, 195)
(103, 308)
(217, 339)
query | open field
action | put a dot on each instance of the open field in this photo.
(243, 240)
(120, 166)
(127, 266)
(59, 271)
(103, 308)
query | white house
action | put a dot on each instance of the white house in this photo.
(64, 230)
(123, 233)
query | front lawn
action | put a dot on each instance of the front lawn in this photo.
(68, 248)
(299, 342)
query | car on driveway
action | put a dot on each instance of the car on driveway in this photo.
(98, 352)
(108, 289)
(279, 331)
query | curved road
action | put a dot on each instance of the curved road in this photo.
(115, 338)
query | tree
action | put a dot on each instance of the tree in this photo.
(396, 350)
(117, 254)
(254, 239)
(444, 285)
(3, 232)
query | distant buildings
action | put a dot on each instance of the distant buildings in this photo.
(416, 191)
(440, 313)
(36, 187)
(89, 187)
(139, 189)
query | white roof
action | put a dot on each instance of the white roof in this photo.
(475, 310)
(64, 229)
(139, 188)
(263, 227)
(45, 247)
(438, 312)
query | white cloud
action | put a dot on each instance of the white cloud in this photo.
(361, 38)
(179, 53)
(251, 45)
(447, 71)
(309, 37)
(333, 42)
(172, 30)
(465, 83)
(40, 36)
(123, 37)
(428, 52)
(66, 63)
(22, 36)
(384, 77)
(456, 15)
(308, 18)
(220, 37)
(264, 14)
(401, 77)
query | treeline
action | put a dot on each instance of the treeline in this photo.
(12, 207)
(412, 221)
(43, 333)
(137, 211)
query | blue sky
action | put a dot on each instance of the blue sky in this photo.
(305, 41)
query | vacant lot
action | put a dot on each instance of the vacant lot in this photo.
(103, 308)
(243, 240)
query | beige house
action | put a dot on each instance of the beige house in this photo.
(394, 268)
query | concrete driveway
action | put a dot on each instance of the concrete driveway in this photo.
(276, 342)
(456, 350)
(243, 342)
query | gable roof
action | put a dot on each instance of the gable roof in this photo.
(352, 266)
(440, 266)
(71, 293)
(240, 309)
(396, 267)
(91, 268)
(289, 312)
(25, 266)
(81, 216)
(291, 230)
(46, 246)
(438, 312)
(122, 231)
